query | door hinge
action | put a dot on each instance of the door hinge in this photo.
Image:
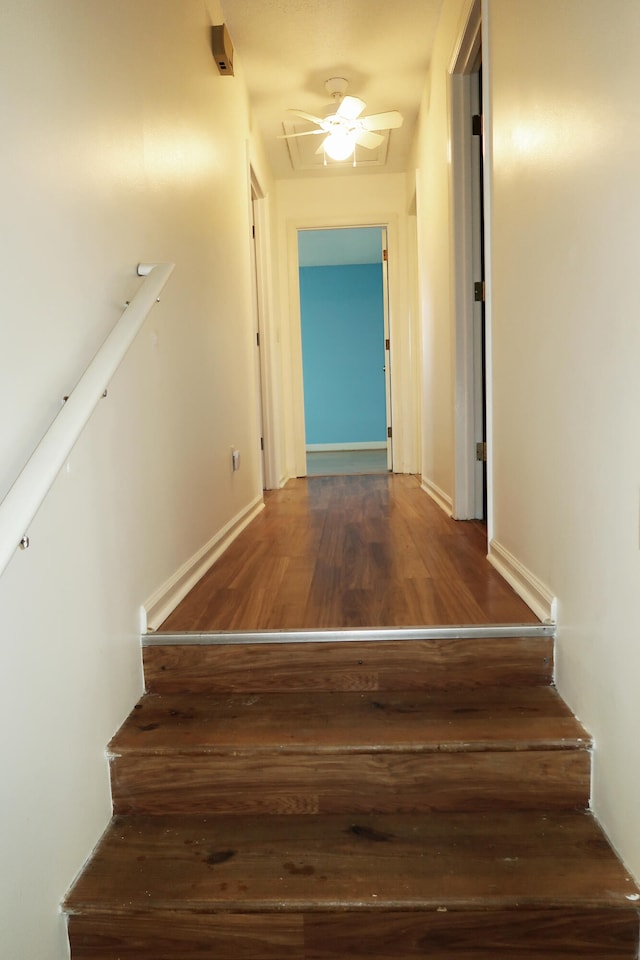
(257, 339)
(389, 432)
(479, 291)
(262, 443)
(387, 344)
(477, 125)
(385, 255)
(481, 451)
(253, 231)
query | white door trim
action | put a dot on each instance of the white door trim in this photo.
(464, 256)
(401, 374)
(263, 274)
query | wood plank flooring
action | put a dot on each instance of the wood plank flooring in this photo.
(401, 805)
(343, 751)
(447, 885)
(348, 552)
(367, 665)
(208, 864)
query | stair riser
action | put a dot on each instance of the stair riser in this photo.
(395, 665)
(383, 783)
(561, 934)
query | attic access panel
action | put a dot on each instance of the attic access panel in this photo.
(303, 156)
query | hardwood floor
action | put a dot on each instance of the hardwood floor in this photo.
(331, 463)
(349, 552)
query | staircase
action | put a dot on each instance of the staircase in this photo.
(377, 800)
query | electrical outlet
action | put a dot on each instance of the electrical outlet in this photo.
(235, 459)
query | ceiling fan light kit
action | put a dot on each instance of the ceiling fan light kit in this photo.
(339, 145)
(345, 128)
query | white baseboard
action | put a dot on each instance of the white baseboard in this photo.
(535, 594)
(328, 447)
(167, 597)
(443, 499)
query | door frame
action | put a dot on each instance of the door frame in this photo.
(260, 213)
(385, 330)
(470, 396)
(400, 353)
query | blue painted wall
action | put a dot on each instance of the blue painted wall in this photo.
(343, 353)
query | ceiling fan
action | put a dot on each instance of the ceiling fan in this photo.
(345, 128)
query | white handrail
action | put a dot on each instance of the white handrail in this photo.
(25, 497)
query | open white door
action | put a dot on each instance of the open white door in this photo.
(257, 354)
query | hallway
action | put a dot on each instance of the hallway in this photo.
(349, 552)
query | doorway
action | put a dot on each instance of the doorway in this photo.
(472, 402)
(345, 350)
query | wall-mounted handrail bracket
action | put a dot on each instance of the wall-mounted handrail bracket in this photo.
(144, 269)
(25, 497)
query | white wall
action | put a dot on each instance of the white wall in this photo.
(121, 143)
(564, 129)
(562, 157)
(348, 201)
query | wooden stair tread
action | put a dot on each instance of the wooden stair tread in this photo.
(340, 863)
(470, 720)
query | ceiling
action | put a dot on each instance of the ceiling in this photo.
(289, 48)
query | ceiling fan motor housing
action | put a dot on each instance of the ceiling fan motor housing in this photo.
(336, 87)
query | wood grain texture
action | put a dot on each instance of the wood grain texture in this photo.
(172, 935)
(474, 934)
(361, 751)
(359, 783)
(351, 552)
(317, 864)
(491, 718)
(392, 665)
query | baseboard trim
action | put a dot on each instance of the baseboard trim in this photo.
(359, 445)
(443, 499)
(167, 597)
(537, 596)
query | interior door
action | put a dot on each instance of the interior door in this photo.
(479, 321)
(257, 354)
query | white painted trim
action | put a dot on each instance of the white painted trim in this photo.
(403, 393)
(535, 594)
(488, 253)
(360, 445)
(443, 499)
(167, 597)
(465, 254)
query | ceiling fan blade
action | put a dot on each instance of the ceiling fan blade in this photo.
(382, 121)
(350, 108)
(307, 116)
(304, 133)
(369, 140)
